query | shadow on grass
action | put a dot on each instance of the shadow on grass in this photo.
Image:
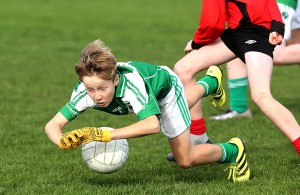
(158, 175)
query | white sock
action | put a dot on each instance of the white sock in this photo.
(199, 139)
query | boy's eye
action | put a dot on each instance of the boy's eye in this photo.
(102, 88)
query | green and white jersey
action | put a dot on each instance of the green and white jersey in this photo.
(290, 3)
(140, 88)
(287, 10)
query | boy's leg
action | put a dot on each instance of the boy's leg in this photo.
(208, 85)
(187, 67)
(196, 61)
(233, 153)
(187, 155)
(197, 134)
(238, 88)
(212, 84)
(259, 74)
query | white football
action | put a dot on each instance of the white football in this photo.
(105, 157)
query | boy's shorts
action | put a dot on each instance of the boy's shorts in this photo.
(175, 116)
(296, 18)
(250, 38)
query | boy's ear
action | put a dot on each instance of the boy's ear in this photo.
(117, 79)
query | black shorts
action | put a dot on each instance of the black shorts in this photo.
(249, 38)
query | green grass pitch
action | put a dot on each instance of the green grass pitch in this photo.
(41, 42)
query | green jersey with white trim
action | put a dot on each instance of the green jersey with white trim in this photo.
(140, 88)
(290, 3)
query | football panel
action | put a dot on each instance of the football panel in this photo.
(125, 151)
(106, 157)
(98, 167)
(88, 151)
(100, 152)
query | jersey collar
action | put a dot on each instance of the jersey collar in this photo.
(120, 88)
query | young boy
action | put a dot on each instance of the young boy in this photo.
(156, 95)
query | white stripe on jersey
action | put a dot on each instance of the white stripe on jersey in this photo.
(135, 91)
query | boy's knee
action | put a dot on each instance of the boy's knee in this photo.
(261, 99)
(184, 73)
(178, 68)
(185, 163)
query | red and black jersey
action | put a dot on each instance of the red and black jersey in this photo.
(236, 13)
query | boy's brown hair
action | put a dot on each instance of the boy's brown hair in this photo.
(96, 59)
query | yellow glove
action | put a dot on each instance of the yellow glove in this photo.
(74, 138)
(71, 140)
(97, 134)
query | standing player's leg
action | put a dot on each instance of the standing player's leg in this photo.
(196, 61)
(186, 69)
(259, 67)
(238, 88)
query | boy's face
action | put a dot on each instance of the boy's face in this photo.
(101, 91)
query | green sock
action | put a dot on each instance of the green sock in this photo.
(238, 94)
(209, 83)
(229, 153)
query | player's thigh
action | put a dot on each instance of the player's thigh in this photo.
(236, 69)
(198, 60)
(259, 68)
(295, 37)
(181, 145)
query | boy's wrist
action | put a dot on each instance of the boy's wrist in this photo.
(196, 45)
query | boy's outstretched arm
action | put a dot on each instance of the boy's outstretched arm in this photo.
(72, 139)
(147, 126)
(54, 127)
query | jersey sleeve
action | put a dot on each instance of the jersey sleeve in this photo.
(150, 108)
(141, 99)
(69, 111)
(212, 23)
(78, 103)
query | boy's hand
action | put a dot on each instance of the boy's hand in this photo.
(188, 48)
(72, 139)
(275, 38)
(97, 134)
